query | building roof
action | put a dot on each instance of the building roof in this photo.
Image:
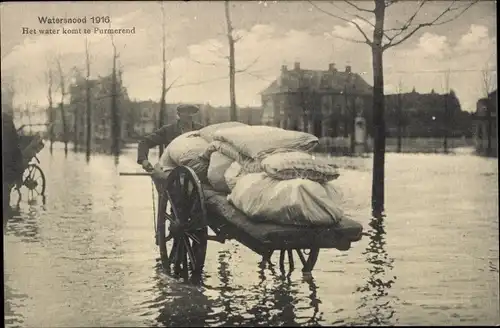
(491, 102)
(317, 80)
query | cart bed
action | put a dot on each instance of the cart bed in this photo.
(228, 221)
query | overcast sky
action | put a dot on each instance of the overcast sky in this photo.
(272, 34)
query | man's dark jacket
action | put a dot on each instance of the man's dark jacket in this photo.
(162, 136)
(11, 153)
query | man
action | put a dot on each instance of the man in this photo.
(165, 135)
(12, 158)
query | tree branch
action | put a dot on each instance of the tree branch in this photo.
(355, 15)
(203, 63)
(248, 66)
(62, 85)
(367, 40)
(171, 85)
(358, 8)
(347, 39)
(434, 22)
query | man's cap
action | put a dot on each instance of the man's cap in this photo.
(188, 109)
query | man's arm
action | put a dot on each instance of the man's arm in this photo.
(154, 139)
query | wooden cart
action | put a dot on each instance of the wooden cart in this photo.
(186, 207)
(33, 178)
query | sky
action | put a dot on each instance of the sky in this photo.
(271, 34)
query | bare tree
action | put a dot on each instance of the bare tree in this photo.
(392, 37)
(232, 66)
(115, 117)
(51, 114)
(399, 114)
(232, 40)
(88, 141)
(164, 88)
(62, 89)
(488, 85)
(446, 115)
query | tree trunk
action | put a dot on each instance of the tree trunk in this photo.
(51, 126)
(64, 128)
(88, 140)
(51, 113)
(489, 131)
(232, 70)
(446, 123)
(353, 126)
(161, 116)
(399, 120)
(75, 129)
(115, 132)
(378, 112)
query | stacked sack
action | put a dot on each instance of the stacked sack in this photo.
(186, 150)
(270, 175)
(190, 149)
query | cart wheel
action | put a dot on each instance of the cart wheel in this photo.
(34, 180)
(182, 219)
(308, 259)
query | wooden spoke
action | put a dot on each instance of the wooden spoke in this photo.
(187, 228)
(173, 253)
(190, 252)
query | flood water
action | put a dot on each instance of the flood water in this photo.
(87, 256)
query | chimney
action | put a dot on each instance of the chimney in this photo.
(348, 69)
(297, 66)
(331, 67)
(284, 68)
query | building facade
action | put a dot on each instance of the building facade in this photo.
(324, 103)
(213, 115)
(70, 118)
(485, 125)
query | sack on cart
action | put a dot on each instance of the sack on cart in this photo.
(257, 141)
(233, 173)
(298, 202)
(295, 164)
(219, 164)
(186, 150)
(209, 131)
(228, 150)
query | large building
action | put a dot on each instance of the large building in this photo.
(430, 115)
(485, 125)
(75, 112)
(322, 102)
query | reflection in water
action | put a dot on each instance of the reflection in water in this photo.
(271, 302)
(12, 301)
(376, 307)
(23, 225)
(178, 304)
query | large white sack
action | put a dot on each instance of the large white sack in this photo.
(256, 141)
(219, 163)
(208, 132)
(295, 164)
(233, 173)
(230, 151)
(288, 202)
(186, 150)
